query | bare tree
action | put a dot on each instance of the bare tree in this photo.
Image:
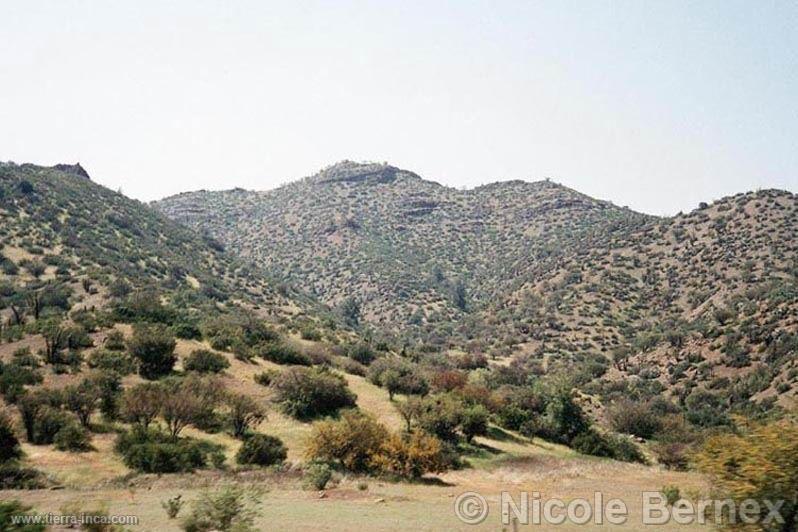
(142, 403)
(245, 413)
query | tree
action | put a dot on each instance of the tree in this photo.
(142, 403)
(33, 301)
(566, 417)
(760, 463)
(55, 339)
(32, 404)
(441, 416)
(245, 413)
(398, 376)
(620, 357)
(629, 417)
(474, 422)
(179, 408)
(209, 391)
(350, 311)
(82, 399)
(410, 410)
(459, 295)
(109, 388)
(153, 346)
(362, 353)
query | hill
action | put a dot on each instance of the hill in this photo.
(411, 251)
(534, 270)
(61, 229)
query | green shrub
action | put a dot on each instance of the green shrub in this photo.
(229, 509)
(592, 443)
(397, 376)
(562, 421)
(261, 449)
(78, 338)
(48, 422)
(281, 353)
(8, 266)
(72, 437)
(204, 361)
(14, 378)
(173, 505)
(609, 446)
(9, 444)
(11, 513)
(24, 358)
(316, 476)
(187, 331)
(265, 378)
(362, 354)
(154, 452)
(115, 341)
(671, 493)
(350, 366)
(310, 333)
(153, 346)
(311, 392)
(116, 361)
(635, 418)
(625, 450)
(13, 476)
(144, 307)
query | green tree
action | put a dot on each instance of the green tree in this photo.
(154, 348)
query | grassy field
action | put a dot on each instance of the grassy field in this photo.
(512, 467)
(500, 462)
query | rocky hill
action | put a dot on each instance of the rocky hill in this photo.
(532, 269)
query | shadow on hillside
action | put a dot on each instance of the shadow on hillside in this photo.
(498, 434)
(433, 481)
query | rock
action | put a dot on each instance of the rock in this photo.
(75, 169)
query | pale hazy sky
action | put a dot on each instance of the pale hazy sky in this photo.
(654, 105)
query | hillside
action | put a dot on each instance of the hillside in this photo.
(532, 269)
(412, 252)
(61, 229)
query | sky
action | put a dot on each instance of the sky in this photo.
(655, 105)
